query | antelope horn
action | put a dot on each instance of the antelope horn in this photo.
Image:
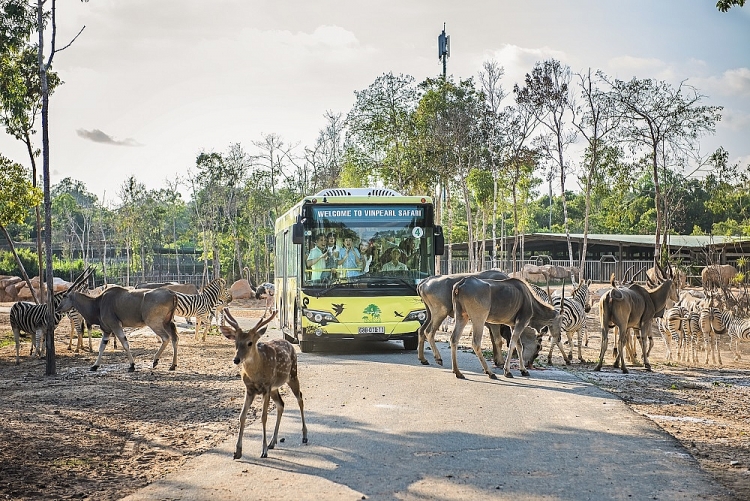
(263, 321)
(230, 319)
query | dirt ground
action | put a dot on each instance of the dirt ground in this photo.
(78, 436)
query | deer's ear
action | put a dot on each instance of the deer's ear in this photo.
(228, 332)
(262, 331)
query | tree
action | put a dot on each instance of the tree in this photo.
(725, 5)
(596, 121)
(489, 79)
(17, 196)
(547, 95)
(659, 119)
(380, 124)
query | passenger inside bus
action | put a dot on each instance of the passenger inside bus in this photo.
(316, 260)
(395, 263)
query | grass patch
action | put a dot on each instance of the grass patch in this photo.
(6, 339)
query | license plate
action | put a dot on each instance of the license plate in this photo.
(372, 330)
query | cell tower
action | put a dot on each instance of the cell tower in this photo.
(444, 49)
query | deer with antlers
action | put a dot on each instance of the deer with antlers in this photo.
(265, 367)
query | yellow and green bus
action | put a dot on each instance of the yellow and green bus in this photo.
(347, 264)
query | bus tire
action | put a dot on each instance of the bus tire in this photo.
(308, 346)
(410, 343)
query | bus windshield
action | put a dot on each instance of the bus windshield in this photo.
(359, 244)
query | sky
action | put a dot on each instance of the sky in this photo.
(149, 85)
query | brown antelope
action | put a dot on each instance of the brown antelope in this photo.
(632, 306)
(117, 307)
(437, 295)
(265, 367)
(508, 302)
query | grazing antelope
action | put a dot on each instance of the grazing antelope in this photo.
(508, 302)
(437, 295)
(265, 367)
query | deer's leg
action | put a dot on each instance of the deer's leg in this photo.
(276, 396)
(263, 419)
(249, 397)
(645, 337)
(294, 386)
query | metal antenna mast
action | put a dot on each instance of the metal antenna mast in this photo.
(444, 49)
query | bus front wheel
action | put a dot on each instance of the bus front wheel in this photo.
(410, 343)
(308, 346)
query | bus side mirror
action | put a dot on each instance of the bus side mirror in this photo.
(298, 233)
(439, 241)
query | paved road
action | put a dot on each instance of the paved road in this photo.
(381, 426)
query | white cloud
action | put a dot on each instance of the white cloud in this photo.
(734, 120)
(734, 82)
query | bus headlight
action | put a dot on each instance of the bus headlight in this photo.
(418, 315)
(319, 317)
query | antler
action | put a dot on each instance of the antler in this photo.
(263, 321)
(562, 297)
(231, 320)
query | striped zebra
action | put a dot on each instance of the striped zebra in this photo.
(692, 331)
(32, 319)
(573, 317)
(672, 328)
(202, 305)
(541, 293)
(739, 331)
(713, 322)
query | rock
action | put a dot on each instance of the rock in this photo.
(241, 289)
(24, 294)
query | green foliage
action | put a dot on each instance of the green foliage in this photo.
(17, 195)
(8, 265)
(725, 5)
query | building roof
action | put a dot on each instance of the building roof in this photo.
(687, 241)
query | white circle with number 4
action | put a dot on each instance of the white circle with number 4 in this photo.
(417, 232)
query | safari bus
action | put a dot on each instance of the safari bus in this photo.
(347, 265)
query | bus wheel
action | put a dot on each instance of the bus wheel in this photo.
(410, 343)
(308, 346)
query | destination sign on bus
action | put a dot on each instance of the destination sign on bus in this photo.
(390, 213)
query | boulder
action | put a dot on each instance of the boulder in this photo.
(24, 294)
(242, 289)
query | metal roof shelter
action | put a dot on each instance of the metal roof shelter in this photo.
(690, 248)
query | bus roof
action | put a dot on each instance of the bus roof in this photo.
(353, 196)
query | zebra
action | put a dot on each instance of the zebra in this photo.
(692, 330)
(541, 293)
(739, 330)
(713, 323)
(202, 305)
(672, 328)
(32, 318)
(573, 317)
